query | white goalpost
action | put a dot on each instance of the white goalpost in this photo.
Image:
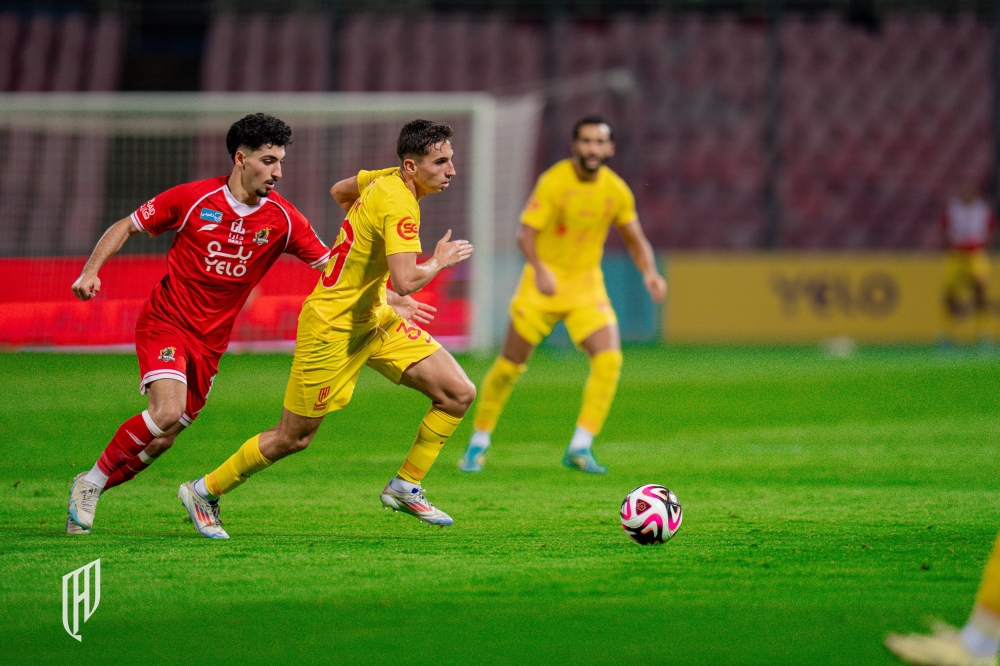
(77, 162)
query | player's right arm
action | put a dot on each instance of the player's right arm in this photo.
(544, 279)
(538, 214)
(347, 191)
(162, 213)
(88, 284)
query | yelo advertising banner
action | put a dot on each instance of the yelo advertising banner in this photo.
(796, 297)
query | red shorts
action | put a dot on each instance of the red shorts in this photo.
(165, 353)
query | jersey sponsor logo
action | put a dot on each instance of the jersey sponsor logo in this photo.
(261, 236)
(168, 354)
(235, 268)
(407, 228)
(321, 398)
(148, 209)
(236, 227)
(210, 215)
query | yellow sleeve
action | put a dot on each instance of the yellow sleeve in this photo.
(626, 206)
(541, 208)
(400, 219)
(366, 178)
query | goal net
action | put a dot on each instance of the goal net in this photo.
(76, 163)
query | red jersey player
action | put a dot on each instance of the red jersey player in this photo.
(230, 231)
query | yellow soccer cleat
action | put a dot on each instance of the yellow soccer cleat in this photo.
(943, 647)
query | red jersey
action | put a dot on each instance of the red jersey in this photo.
(967, 226)
(222, 249)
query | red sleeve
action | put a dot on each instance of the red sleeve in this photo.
(303, 241)
(165, 211)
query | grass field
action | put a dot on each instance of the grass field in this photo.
(826, 502)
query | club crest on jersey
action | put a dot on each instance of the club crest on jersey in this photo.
(407, 228)
(261, 236)
(168, 354)
(210, 215)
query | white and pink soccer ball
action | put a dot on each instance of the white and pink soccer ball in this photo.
(651, 514)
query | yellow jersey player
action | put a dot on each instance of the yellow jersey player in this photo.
(976, 644)
(562, 234)
(346, 323)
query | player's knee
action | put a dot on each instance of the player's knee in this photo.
(160, 445)
(462, 395)
(167, 415)
(293, 444)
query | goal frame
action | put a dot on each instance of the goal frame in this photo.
(67, 111)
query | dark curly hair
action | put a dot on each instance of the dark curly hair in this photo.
(255, 131)
(417, 137)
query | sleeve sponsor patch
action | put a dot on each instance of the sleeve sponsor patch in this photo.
(407, 228)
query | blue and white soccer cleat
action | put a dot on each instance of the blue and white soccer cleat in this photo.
(415, 504)
(584, 461)
(472, 459)
(204, 514)
(83, 498)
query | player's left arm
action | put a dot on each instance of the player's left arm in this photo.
(347, 191)
(644, 259)
(304, 242)
(408, 276)
(410, 308)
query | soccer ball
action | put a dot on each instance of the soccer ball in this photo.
(651, 514)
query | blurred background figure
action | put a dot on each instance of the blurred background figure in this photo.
(967, 225)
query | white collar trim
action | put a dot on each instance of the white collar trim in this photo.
(240, 208)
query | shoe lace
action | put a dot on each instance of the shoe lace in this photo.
(419, 495)
(213, 509)
(88, 498)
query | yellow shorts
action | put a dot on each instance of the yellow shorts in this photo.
(964, 267)
(324, 373)
(534, 323)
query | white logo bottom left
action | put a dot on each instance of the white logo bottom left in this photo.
(81, 589)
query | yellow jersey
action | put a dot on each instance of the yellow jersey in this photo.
(572, 218)
(350, 296)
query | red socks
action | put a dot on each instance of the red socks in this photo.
(129, 469)
(132, 437)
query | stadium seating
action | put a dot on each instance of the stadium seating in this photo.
(877, 128)
(63, 213)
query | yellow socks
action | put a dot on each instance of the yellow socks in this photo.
(599, 392)
(241, 466)
(494, 392)
(989, 589)
(435, 429)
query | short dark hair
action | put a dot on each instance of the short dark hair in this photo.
(592, 120)
(417, 137)
(255, 131)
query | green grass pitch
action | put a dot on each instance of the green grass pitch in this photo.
(826, 502)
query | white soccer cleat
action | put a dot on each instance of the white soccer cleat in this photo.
(941, 648)
(83, 498)
(73, 528)
(415, 504)
(204, 514)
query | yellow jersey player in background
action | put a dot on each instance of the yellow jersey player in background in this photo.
(562, 234)
(346, 323)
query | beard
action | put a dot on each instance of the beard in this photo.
(586, 167)
(262, 192)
